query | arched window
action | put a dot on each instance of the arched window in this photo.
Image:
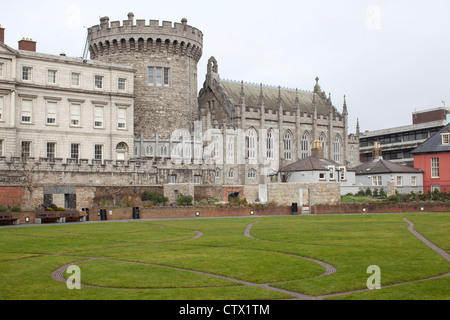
(270, 144)
(337, 149)
(231, 147)
(216, 147)
(231, 173)
(288, 146)
(163, 151)
(305, 146)
(217, 173)
(323, 139)
(252, 173)
(149, 150)
(252, 144)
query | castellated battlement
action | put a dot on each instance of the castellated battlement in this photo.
(130, 36)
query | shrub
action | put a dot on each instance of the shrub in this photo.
(16, 209)
(156, 198)
(60, 209)
(3, 209)
(184, 200)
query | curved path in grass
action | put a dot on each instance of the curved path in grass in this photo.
(329, 269)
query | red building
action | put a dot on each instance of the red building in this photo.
(433, 157)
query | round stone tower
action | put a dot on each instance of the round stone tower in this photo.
(165, 58)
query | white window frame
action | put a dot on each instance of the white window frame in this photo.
(252, 173)
(98, 152)
(159, 76)
(52, 76)
(122, 84)
(252, 143)
(51, 155)
(337, 149)
(51, 114)
(446, 138)
(78, 78)
(122, 118)
(231, 147)
(166, 77)
(99, 82)
(377, 181)
(217, 175)
(25, 113)
(231, 174)
(172, 179)
(2, 147)
(306, 142)
(270, 144)
(28, 71)
(288, 146)
(74, 116)
(322, 176)
(99, 117)
(72, 149)
(435, 174)
(413, 181)
(399, 182)
(29, 151)
(2, 70)
(197, 179)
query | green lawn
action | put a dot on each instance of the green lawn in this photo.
(160, 260)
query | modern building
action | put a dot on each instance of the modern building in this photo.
(433, 157)
(398, 143)
(56, 107)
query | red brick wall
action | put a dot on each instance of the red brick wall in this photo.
(382, 208)
(2, 34)
(11, 196)
(27, 45)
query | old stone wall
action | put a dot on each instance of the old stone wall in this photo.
(302, 193)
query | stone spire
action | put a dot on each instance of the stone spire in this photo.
(242, 93)
(345, 110)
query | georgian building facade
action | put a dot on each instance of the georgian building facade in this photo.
(56, 107)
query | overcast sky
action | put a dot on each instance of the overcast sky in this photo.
(389, 57)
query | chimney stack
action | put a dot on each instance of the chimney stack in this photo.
(317, 150)
(27, 45)
(2, 34)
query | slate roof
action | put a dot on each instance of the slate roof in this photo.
(383, 166)
(434, 144)
(311, 164)
(270, 94)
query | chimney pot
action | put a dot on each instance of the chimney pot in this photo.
(2, 34)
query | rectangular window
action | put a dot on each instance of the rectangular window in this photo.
(2, 105)
(343, 174)
(377, 181)
(151, 76)
(435, 167)
(446, 138)
(172, 179)
(122, 84)
(51, 151)
(122, 118)
(98, 117)
(166, 76)
(197, 179)
(2, 68)
(26, 149)
(399, 181)
(99, 82)
(2, 145)
(413, 181)
(158, 76)
(75, 114)
(322, 176)
(27, 107)
(76, 79)
(51, 112)
(51, 76)
(75, 151)
(98, 152)
(27, 73)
